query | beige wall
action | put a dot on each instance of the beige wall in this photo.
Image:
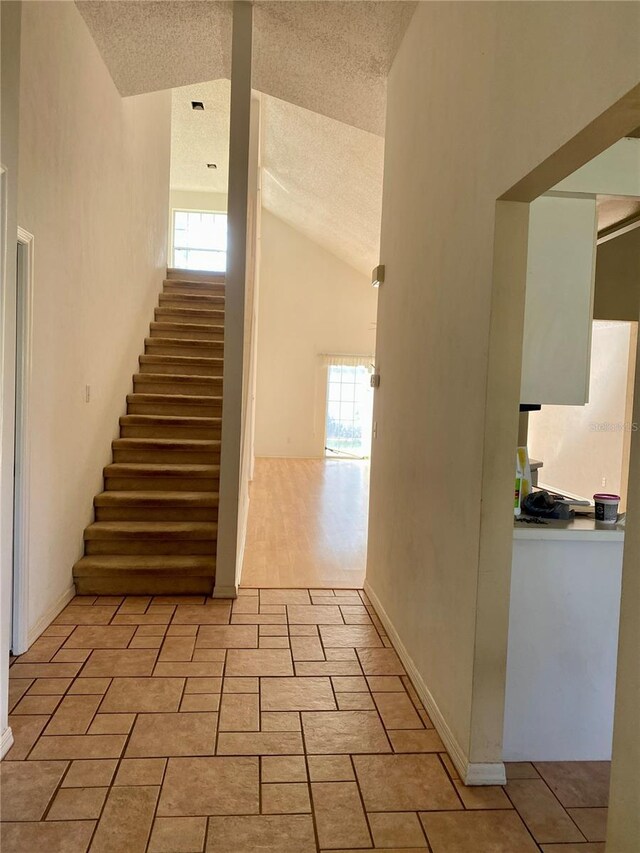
(459, 135)
(310, 303)
(617, 295)
(10, 81)
(94, 190)
(582, 447)
(192, 200)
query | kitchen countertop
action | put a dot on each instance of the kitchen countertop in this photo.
(578, 529)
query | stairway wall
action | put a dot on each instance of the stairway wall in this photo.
(94, 191)
(310, 302)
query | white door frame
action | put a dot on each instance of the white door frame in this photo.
(24, 339)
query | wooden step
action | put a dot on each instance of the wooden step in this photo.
(187, 331)
(167, 450)
(174, 404)
(178, 346)
(150, 537)
(200, 316)
(138, 476)
(144, 575)
(168, 426)
(156, 506)
(175, 383)
(209, 301)
(208, 287)
(181, 364)
(178, 274)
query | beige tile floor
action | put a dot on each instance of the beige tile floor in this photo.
(281, 723)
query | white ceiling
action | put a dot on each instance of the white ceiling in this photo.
(330, 57)
(320, 175)
(200, 137)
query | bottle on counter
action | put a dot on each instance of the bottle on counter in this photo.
(518, 491)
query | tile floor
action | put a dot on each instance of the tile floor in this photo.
(281, 723)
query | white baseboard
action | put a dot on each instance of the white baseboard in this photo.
(50, 614)
(6, 741)
(471, 774)
(225, 591)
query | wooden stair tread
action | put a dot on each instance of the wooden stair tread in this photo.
(196, 444)
(186, 360)
(151, 530)
(169, 420)
(183, 342)
(196, 282)
(189, 564)
(193, 298)
(159, 469)
(187, 378)
(171, 326)
(174, 399)
(156, 499)
(212, 313)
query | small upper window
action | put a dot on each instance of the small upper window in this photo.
(199, 240)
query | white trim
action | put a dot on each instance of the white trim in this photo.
(47, 618)
(6, 742)
(24, 337)
(471, 774)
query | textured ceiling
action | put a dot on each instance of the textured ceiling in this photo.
(320, 175)
(330, 57)
(614, 210)
(324, 178)
(200, 137)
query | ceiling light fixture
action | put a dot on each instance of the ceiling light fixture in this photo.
(212, 165)
(197, 105)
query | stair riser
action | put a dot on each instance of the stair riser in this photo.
(167, 315)
(171, 432)
(161, 484)
(157, 456)
(168, 367)
(165, 582)
(191, 289)
(178, 409)
(153, 513)
(202, 389)
(175, 300)
(204, 334)
(150, 546)
(214, 349)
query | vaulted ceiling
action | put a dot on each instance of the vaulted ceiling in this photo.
(321, 68)
(320, 175)
(329, 57)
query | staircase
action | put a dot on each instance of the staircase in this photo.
(155, 524)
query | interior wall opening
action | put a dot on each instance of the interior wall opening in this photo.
(576, 424)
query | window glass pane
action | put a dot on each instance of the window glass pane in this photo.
(349, 411)
(200, 240)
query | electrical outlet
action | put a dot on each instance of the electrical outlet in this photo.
(375, 429)
(604, 482)
(87, 393)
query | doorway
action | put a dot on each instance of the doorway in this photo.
(23, 338)
(349, 413)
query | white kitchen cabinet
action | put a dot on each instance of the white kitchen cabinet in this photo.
(559, 301)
